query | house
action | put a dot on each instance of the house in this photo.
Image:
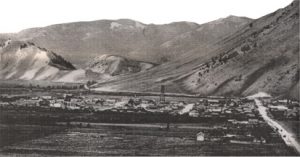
(44, 103)
(216, 110)
(146, 101)
(253, 120)
(74, 100)
(278, 108)
(261, 140)
(228, 111)
(35, 98)
(231, 120)
(242, 140)
(111, 100)
(193, 113)
(60, 100)
(200, 136)
(250, 115)
(213, 100)
(56, 105)
(231, 135)
(67, 97)
(4, 103)
(240, 122)
(72, 107)
(292, 113)
(47, 97)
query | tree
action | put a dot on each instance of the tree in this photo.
(251, 25)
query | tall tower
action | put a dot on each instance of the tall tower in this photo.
(162, 93)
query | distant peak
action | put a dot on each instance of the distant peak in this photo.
(233, 17)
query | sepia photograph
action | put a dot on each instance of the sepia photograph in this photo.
(149, 78)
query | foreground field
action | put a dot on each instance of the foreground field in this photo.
(107, 139)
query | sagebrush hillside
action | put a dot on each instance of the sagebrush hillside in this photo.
(261, 56)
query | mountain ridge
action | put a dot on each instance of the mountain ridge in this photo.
(261, 56)
(127, 38)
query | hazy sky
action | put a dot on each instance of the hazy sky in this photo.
(20, 14)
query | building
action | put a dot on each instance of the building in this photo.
(35, 98)
(72, 107)
(200, 136)
(56, 105)
(4, 103)
(213, 100)
(194, 113)
(47, 97)
(67, 97)
(111, 101)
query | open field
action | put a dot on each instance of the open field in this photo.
(10, 134)
(125, 140)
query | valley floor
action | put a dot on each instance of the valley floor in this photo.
(125, 140)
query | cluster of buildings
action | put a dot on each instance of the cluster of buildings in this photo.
(284, 109)
(240, 132)
(232, 109)
(65, 102)
(219, 136)
(207, 108)
(224, 109)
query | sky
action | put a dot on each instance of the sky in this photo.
(21, 14)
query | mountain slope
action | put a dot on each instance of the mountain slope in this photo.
(264, 58)
(81, 41)
(117, 65)
(26, 61)
(23, 60)
(205, 35)
(261, 56)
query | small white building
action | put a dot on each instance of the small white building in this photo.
(194, 113)
(200, 136)
(111, 101)
(47, 97)
(213, 100)
(56, 105)
(72, 107)
(35, 98)
(4, 103)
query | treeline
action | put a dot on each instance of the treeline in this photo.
(77, 86)
(51, 117)
(44, 86)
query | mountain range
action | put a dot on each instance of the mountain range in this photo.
(262, 56)
(234, 56)
(81, 41)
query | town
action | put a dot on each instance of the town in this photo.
(235, 120)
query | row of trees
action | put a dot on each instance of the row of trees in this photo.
(76, 86)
